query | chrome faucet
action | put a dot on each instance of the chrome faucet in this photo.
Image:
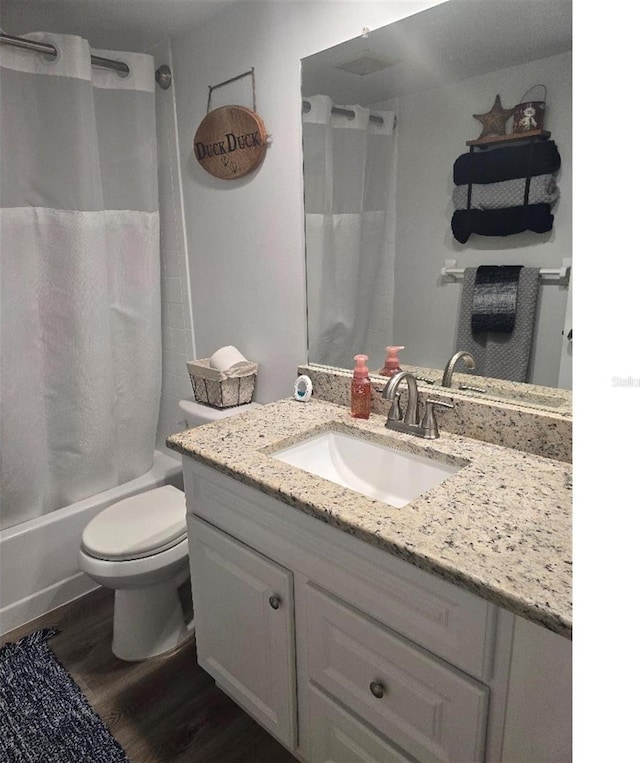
(448, 369)
(390, 392)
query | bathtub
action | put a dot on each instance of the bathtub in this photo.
(39, 558)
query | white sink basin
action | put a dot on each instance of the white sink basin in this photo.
(386, 474)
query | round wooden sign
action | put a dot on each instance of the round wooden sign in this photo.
(230, 142)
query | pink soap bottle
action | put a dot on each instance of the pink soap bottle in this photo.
(392, 363)
(360, 389)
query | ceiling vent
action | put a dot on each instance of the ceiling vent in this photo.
(366, 63)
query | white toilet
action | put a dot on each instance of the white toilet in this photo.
(138, 546)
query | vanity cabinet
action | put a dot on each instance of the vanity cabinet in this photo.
(344, 652)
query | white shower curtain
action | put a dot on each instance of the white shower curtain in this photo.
(349, 185)
(80, 276)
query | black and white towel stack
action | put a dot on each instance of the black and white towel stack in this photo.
(503, 191)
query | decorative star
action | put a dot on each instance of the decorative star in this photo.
(494, 121)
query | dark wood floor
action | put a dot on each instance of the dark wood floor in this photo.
(163, 710)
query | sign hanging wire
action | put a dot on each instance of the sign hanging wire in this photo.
(234, 79)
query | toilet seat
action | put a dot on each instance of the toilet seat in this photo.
(137, 527)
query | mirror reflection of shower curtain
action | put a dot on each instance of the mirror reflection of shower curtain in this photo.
(349, 184)
(80, 310)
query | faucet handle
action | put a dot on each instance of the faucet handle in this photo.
(390, 391)
(429, 423)
(441, 403)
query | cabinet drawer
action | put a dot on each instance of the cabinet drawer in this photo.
(337, 737)
(429, 709)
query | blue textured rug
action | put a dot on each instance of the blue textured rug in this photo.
(44, 716)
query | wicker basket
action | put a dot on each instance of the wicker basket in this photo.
(213, 387)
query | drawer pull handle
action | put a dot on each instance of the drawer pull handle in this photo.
(275, 601)
(377, 689)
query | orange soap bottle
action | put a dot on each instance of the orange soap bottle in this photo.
(360, 389)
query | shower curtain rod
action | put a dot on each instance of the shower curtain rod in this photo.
(306, 108)
(45, 47)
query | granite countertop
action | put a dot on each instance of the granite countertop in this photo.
(500, 527)
(551, 399)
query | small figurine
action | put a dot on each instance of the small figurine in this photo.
(528, 122)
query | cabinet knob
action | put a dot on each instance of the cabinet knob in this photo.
(377, 689)
(275, 601)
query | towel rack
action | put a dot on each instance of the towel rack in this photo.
(546, 274)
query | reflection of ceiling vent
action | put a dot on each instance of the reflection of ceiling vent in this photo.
(366, 63)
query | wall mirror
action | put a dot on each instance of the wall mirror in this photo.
(385, 116)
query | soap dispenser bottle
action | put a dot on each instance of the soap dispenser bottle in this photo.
(360, 389)
(392, 363)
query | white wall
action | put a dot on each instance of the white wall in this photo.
(432, 130)
(246, 237)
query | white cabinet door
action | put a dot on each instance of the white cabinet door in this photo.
(243, 605)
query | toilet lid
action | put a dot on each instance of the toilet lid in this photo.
(139, 526)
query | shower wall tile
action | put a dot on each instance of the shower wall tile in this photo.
(173, 289)
(174, 362)
(169, 419)
(184, 389)
(174, 315)
(170, 226)
(164, 174)
(169, 385)
(184, 285)
(184, 274)
(171, 261)
(175, 341)
(178, 340)
(177, 332)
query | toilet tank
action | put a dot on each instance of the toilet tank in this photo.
(197, 413)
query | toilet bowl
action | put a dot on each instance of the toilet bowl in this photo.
(139, 547)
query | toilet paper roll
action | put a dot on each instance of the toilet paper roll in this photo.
(227, 358)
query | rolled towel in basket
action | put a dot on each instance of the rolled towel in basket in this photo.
(230, 361)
